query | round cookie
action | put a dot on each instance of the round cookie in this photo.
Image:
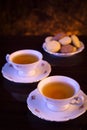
(68, 49)
(65, 40)
(59, 36)
(53, 46)
(74, 49)
(75, 41)
(48, 39)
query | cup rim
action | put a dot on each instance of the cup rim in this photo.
(58, 76)
(25, 51)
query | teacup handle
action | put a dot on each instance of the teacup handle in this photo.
(7, 58)
(79, 100)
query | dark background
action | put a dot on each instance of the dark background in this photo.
(38, 17)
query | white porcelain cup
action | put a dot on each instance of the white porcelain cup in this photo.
(59, 92)
(25, 61)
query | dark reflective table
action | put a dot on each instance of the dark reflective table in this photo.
(14, 113)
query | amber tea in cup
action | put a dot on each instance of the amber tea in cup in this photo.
(59, 92)
(25, 61)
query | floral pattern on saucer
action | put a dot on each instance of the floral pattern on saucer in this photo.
(38, 107)
(42, 71)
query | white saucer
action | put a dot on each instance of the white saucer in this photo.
(42, 71)
(39, 108)
(64, 54)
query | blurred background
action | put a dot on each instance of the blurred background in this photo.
(38, 17)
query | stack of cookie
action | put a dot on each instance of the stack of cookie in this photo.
(62, 43)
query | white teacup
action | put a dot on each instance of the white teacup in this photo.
(59, 92)
(25, 61)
